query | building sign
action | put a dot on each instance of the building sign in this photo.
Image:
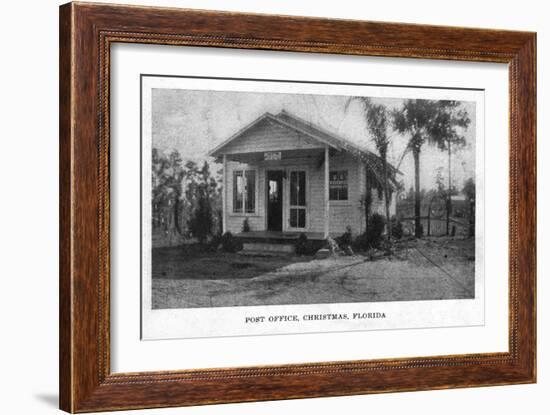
(272, 155)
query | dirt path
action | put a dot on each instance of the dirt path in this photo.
(423, 271)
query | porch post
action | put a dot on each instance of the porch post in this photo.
(224, 195)
(327, 199)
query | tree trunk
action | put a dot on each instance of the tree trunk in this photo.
(368, 198)
(448, 201)
(472, 230)
(177, 214)
(429, 217)
(386, 197)
(417, 223)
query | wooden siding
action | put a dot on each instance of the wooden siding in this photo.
(343, 213)
(268, 135)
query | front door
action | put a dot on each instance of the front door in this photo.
(275, 200)
(298, 205)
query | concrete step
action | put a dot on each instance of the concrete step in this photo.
(263, 254)
(268, 248)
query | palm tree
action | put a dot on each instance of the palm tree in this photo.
(377, 117)
(434, 122)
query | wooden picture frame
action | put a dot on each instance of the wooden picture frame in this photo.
(86, 33)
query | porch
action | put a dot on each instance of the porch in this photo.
(279, 237)
(267, 243)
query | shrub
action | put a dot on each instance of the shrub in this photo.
(246, 226)
(396, 228)
(345, 239)
(373, 236)
(230, 243)
(214, 243)
(302, 244)
(361, 243)
(200, 223)
(375, 229)
(421, 229)
(305, 246)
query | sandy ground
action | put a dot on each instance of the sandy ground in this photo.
(428, 269)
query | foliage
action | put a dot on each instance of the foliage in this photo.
(302, 244)
(366, 203)
(373, 237)
(361, 243)
(469, 189)
(396, 228)
(230, 243)
(375, 230)
(440, 183)
(378, 119)
(305, 246)
(215, 242)
(437, 122)
(200, 223)
(186, 197)
(167, 176)
(246, 225)
(443, 192)
(346, 239)
(440, 123)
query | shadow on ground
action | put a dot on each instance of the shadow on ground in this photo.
(193, 263)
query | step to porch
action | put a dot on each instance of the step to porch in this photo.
(267, 248)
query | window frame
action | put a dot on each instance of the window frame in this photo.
(304, 207)
(347, 199)
(242, 211)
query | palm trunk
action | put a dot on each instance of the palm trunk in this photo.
(448, 192)
(386, 197)
(428, 232)
(368, 199)
(417, 224)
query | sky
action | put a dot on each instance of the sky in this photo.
(194, 122)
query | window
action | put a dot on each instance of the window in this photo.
(298, 188)
(244, 191)
(338, 185)
(297, 218)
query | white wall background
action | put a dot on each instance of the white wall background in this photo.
(28, 212)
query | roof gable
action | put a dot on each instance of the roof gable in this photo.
(267, 133)
(286, 131)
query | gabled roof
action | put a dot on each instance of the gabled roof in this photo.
(319, 134)
(368, 157)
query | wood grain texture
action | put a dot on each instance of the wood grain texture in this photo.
(86, 33)
(65, 248)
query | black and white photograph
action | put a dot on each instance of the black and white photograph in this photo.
(261, 198)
